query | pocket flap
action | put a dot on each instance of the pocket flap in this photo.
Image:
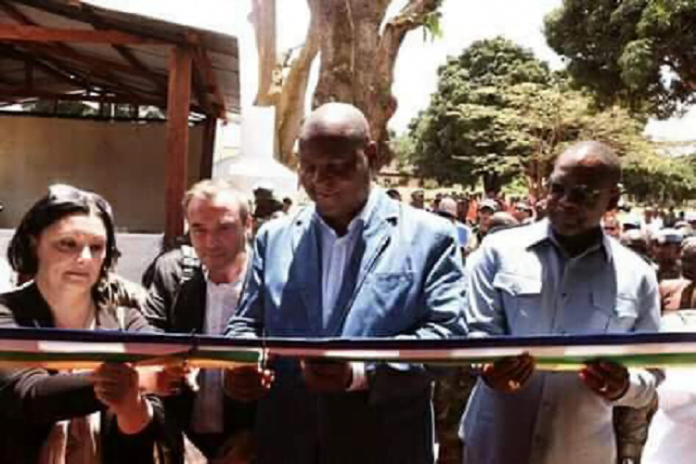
(614, 305)
(517, 284)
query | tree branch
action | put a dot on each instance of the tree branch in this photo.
(263, 18)
(410, 17)
(290, 108)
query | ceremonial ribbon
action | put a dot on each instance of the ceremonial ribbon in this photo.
(74, 349)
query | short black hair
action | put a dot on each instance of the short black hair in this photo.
(600, 155)
(61, 201)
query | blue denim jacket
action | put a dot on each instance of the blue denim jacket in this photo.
(405, 279)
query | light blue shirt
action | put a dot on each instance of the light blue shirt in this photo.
(463, 233)
(520, 282)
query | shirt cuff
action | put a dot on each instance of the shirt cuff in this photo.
(641, 388)
(359, 381)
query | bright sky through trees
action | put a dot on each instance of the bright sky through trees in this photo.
(463, 22)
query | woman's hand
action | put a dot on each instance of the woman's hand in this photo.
(117, 386)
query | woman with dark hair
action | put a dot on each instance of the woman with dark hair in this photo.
(65, 246)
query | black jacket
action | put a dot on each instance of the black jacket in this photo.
(177, 303)
(33, 400)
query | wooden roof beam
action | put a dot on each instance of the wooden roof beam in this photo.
(177, 141)
(108, 79)
(97, 23)
(28, 75)
(48, 68)
(201, 94)
(64, 50)
(205, 69)
(79, 14)
(103, 63)
(27, 33)
(6, 81)
(23, 93)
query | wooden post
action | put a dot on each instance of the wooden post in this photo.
(177, 142)
(208, 152)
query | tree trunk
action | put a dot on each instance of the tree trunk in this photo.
(290, 110)
(282, 85)
(357, 63)
(492, 183)
(263, 17)
(357, 59)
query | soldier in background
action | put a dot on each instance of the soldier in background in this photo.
(267, 206)
(666, 249)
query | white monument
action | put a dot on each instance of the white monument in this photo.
(255, 165)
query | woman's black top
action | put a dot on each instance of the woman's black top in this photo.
(33, 400)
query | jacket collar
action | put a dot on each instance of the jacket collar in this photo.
(368, 248)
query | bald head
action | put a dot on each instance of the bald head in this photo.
(592, 158)
(337, 162)
(336, 121)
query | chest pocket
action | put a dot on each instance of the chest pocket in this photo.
(390, 289)
(521, 300)
(384, 303)
(600, 312)
(621, 313)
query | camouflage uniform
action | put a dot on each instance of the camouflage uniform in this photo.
(451, 395)
(669, 272)
(631, 427)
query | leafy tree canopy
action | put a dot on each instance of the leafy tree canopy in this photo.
(471, 129)
(500, 114)
(639, 53)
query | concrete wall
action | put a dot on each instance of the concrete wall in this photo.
(122, 161)
(138, 251)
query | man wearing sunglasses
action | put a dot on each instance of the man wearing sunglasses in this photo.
(562, 275)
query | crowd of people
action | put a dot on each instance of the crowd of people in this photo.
(354, 263)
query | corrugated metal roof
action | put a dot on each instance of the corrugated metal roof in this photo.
(132, 73)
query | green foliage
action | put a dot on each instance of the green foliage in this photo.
(65, 108)
(489, 117)
(432, 26)
(638, 53)
(500, 114)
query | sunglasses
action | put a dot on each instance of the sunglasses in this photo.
(63, 193)
(582, 195)
(66, 192)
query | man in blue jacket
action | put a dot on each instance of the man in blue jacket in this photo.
(354, 264)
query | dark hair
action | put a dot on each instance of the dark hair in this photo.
(60, 201)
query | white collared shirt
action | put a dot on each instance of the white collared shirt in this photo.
(336, 253)
(221, 301)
